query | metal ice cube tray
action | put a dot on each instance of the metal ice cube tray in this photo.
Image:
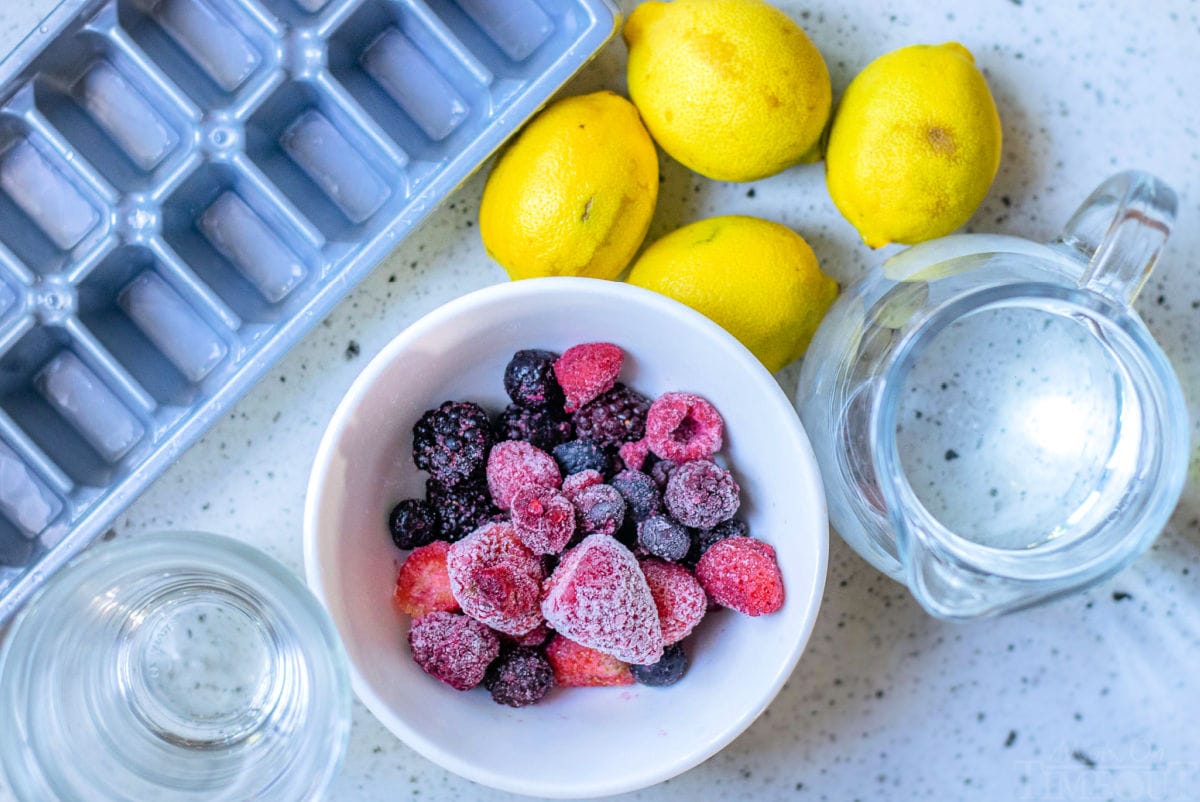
(188, 186)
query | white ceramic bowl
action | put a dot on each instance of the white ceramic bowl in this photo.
(576, 742)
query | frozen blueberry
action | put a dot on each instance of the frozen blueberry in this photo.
(452, 441)
(529, 380)
(598, 509)
(520, 678)
(577, 456)
(459, 509)
(640, 492)
(667, 671)
(413, 523)
(702, 539)
(663, 537)
(543, 428)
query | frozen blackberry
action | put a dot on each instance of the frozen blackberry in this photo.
(543, 428)
(701, 493)
(667, 671)
(520, 678)
(577, 456)
(413, 523)
(460, 509)
(616, 417)
(529, 380)
(640, 492)
(702, 539)
(452, 441)
(663, 537)
(660, 472)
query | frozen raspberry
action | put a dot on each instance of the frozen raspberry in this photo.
(580, 455)
(741, 573)
(618, 416)
(703, 538)
(701, 494)
(667, 671)
(640, 493)
(412, 523)
(453, 648)
(543, 428)
(663, 537)
(577, 666)
(496, 579)
(678, 596)
(514, 464)
(423, 586)
(459, 509)
(452, 441)
(599, 509)
(634, 454)
(577, 482)
(520, 678)
(599, 598)
(585, 371)
(529, 380)
(543, 518)
(683, 426)
(660, 472)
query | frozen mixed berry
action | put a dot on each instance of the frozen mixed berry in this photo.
(640, 493)
(741, 573)
(633, 454)
(577, 482)
(544, 428)
(453, 648)
(459, 509)
(577, 666)
(585, 371)
(452, 441)
(701, 494)
(618, 416)
(529, 380)
(598, 597)
(677, 594)
(413, 523)
(514, 464)
(577, 456)
(599, 509)
(664, 537)
(660, 472)
(496, 579)
(423, 585)
(543, 518)
(520, 678)
(683, 426)
(703, 538)
(667, 671)
(534, 637)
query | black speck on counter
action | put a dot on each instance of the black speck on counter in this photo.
(1011, 739)
(392, 279)
(951, 454)
(1082, 757)
(1120, 596)
(352, 350)
(108, 535)
(750, 193)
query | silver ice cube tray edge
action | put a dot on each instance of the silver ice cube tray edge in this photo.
(188, 186)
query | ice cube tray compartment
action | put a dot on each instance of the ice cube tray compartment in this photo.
(188, 186)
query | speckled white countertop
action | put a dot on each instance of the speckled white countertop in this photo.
(1095, 697)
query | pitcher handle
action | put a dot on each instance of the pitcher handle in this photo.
(1120, 230)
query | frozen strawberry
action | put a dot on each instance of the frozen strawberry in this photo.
(577, 666)
(514, 464)
(701, 494)
(496, 579)
(683, 426)
(598, 597)
(741, 573)
(586, 371)
(453, 648)
(577, 482)
(423, 585)
(634, 454)
(678, 596)
(543, 518)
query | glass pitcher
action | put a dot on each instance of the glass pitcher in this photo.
(995, 425)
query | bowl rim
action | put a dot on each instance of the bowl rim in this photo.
(759, 380)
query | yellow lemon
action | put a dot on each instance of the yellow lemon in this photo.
(757, 279)
(914, 146)
(574, 194)
(732, 89)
